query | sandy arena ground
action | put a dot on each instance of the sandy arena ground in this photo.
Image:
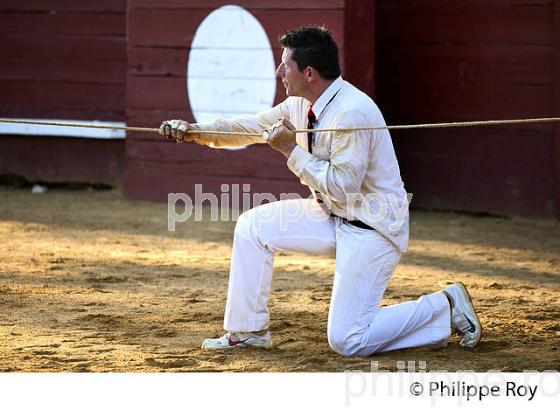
(90, 281)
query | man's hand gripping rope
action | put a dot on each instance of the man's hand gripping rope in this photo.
(281, 135)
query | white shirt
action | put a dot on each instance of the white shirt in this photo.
(356, 172)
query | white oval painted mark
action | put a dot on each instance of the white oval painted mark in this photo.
(231, 68)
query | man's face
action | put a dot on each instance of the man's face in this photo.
(294, 80)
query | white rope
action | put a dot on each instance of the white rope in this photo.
(387, 127)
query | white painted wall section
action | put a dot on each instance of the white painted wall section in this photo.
(231, 69)
(56, 131)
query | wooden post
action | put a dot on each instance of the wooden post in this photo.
(359, 44)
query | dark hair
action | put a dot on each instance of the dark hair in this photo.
(313, 46)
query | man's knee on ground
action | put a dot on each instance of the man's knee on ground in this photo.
(345, 342)
(350, 343)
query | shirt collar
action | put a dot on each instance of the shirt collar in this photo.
(327, 96)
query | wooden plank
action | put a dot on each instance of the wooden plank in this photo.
(453, 24)
(441, 101)
(258, 161)
(164, 62)
(157, 92)
(177, 29)
(168, 62)
(167, 93)
(63, 70)
(21, 47)
(498, 187)
(63, 6)
(384, 4)
(154, 184)
(526, 144)
(164, 28)
(93, 113)
(359, 43)
(247, 4)
(27, 95)
(152, 118)
(556, 144)
(62, 159)
(63, 24)
(469, 63)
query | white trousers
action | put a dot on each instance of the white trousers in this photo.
(365, 261)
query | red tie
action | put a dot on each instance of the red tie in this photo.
(311, 120)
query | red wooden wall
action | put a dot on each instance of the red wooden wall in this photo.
(62, 59)
(159, 38)
(425, 61)
(473, 60)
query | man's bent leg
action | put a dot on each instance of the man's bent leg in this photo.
(357, 327)
(422, 322)
(289, 225)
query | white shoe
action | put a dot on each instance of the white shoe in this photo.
(238, 339)
(463, 315)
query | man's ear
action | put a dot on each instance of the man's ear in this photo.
(309, 73)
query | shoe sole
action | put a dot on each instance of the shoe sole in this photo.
(238, 346)
(471, 305)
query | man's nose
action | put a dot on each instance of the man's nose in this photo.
(279, 71)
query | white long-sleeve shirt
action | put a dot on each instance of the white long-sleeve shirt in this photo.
(356, 172)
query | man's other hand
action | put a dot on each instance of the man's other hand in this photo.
(282, 137)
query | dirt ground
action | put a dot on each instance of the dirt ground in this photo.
(90, 281)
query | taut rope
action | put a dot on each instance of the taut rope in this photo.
(387, 127)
